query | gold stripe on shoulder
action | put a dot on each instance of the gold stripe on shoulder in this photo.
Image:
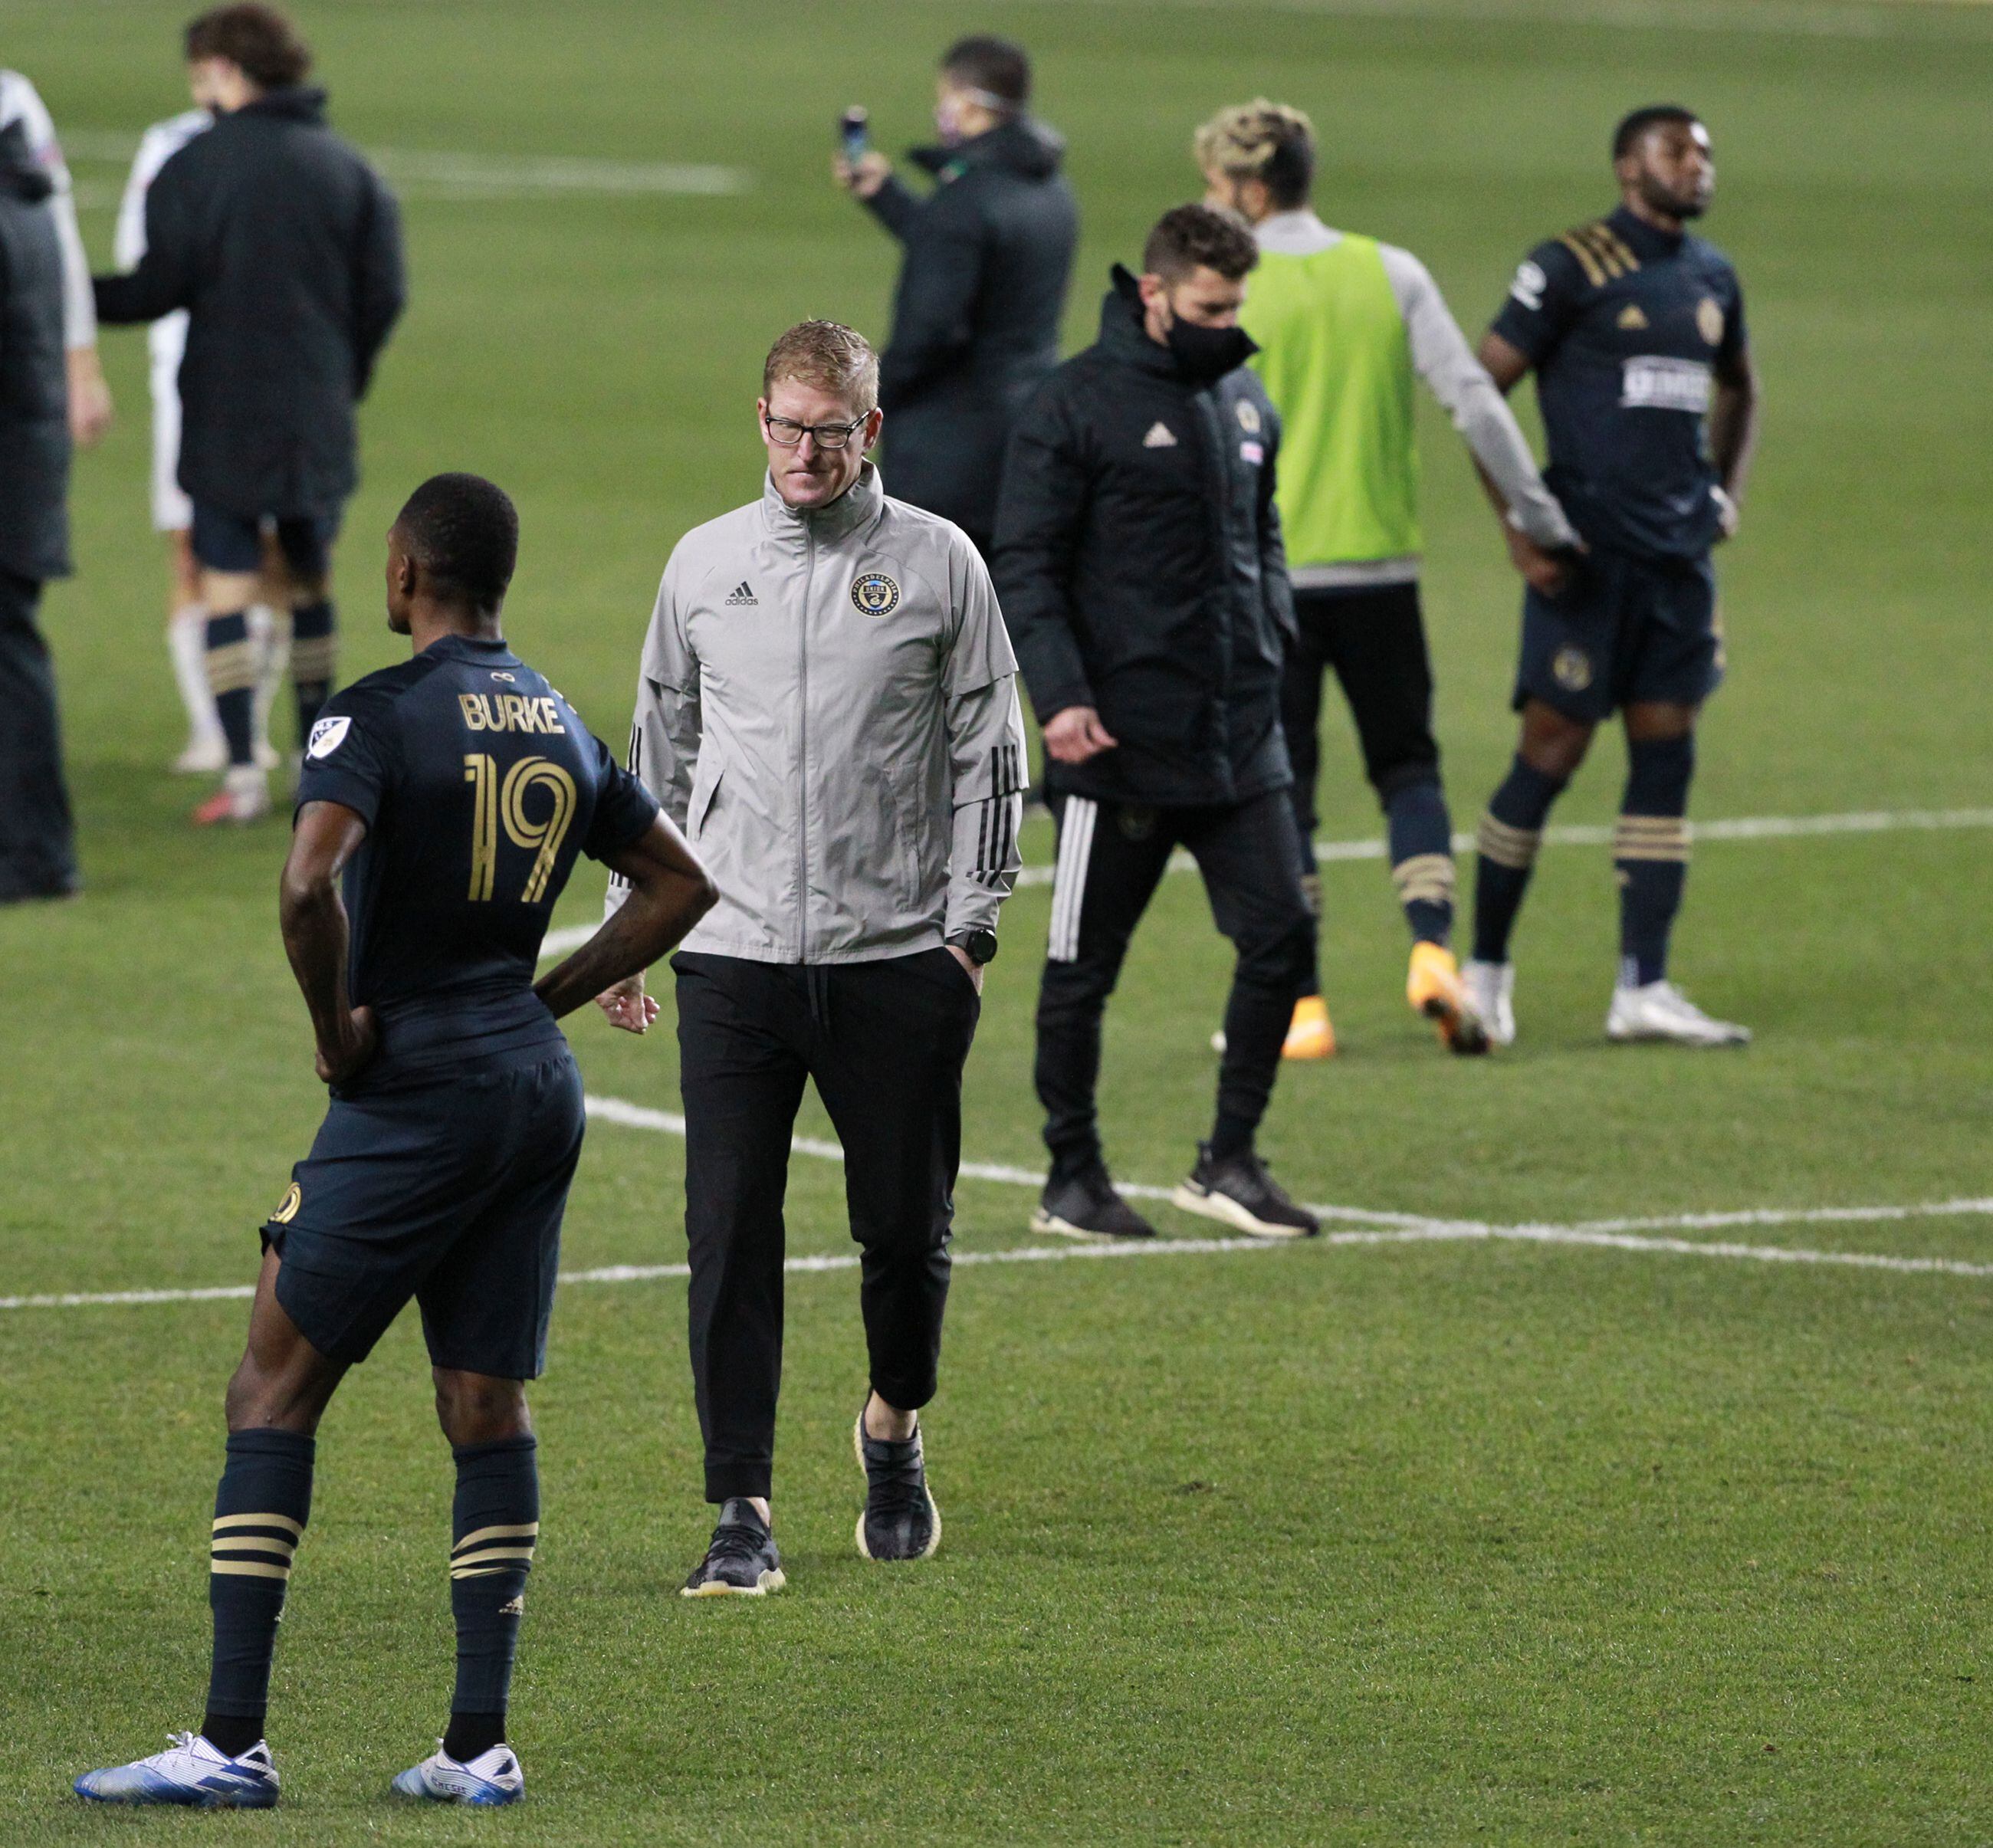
(1598, 241)
(1586, 261)
(1620, 246)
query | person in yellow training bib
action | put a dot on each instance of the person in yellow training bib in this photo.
(1343, 323)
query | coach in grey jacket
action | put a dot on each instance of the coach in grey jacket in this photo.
(828, 707)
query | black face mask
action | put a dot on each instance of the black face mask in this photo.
(1207, 353)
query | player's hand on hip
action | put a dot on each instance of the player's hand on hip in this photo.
(863, 176)
(1076, 734)
(360, 1042)
(627, 1007)
(1546, 573)
(1727, 513)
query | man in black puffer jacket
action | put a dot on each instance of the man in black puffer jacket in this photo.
(975, 317)
(37, 849)
(284, 246)
(1139, 564)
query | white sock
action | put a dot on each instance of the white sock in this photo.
(271, 633)
(187, 643)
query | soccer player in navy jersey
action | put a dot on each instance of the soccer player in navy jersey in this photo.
(450, 796)
(1635, 328)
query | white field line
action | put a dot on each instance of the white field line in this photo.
(1737, 828)
(1796, 18)
(436, 172)
(1370, 1227)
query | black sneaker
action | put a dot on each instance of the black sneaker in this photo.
(742, 1562)
(1085, 1206)
(1239, 1191)
(900, 1521)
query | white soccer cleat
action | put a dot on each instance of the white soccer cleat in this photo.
(491, 1778)
(1491, 993)
(1658, 1010)
(244, 797)
(189, 1773)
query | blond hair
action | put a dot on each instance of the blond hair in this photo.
(829, 355)
(1271, 142)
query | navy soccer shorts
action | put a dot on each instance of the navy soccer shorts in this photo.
(233, 542)
(451, 1194)
(1623, 631)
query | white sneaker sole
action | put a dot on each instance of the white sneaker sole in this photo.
(858, 1450)
(1655, 1035)
(769, 1581)
(1043, 1222)
(1228, 1211)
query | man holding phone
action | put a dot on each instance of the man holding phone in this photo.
(989, 254)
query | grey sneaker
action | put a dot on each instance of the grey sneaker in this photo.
(900, 1521)
(742, 1562)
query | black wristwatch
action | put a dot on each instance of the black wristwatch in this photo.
(979, 946)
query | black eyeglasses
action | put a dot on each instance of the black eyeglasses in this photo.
(787, 432)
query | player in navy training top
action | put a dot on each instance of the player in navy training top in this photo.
(1635, 328)
(450, 796)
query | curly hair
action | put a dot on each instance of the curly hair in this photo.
(1271, 142)
(828, 355)
(1194, 236)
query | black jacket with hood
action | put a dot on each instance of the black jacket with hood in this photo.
(1138, 561)
(285, 247)
(34, 376)
(975, 317)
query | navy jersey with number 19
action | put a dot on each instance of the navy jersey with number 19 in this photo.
(479, 786)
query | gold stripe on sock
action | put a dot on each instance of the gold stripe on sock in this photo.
(1425, 878)
(487, 1557)
(524, 1530)
(314, 659)
(232, 667)
(1515, 848)
(282, 1521)
(249, 1568)
(233, 1543)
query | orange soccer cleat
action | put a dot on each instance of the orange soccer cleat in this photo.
(1310, 1034)
(1434, 988)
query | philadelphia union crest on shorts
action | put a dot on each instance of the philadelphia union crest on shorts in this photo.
(1572, 669)
(875, 594)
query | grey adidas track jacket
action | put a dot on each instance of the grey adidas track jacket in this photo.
(828, 707)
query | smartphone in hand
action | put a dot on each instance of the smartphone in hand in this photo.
(854, 134)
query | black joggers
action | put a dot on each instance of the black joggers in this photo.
(885, 1043)
(1111, 857)
(37, 837)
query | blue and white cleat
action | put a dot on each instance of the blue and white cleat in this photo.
(189, 1772)
(491, 1778)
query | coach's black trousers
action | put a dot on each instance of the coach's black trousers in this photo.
(884, 1043)
(37, 836)
(1110, 858)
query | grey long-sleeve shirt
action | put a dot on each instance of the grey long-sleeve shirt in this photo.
(828, 706)
(1441, 357)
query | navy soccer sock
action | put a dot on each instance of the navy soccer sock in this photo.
(260, 1511)
(314, 648)
(231, 678)
(1509, 834)
(1422, 844)
(1650, 853)
(495, 1524)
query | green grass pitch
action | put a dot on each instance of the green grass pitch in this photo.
(1421, 1542)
